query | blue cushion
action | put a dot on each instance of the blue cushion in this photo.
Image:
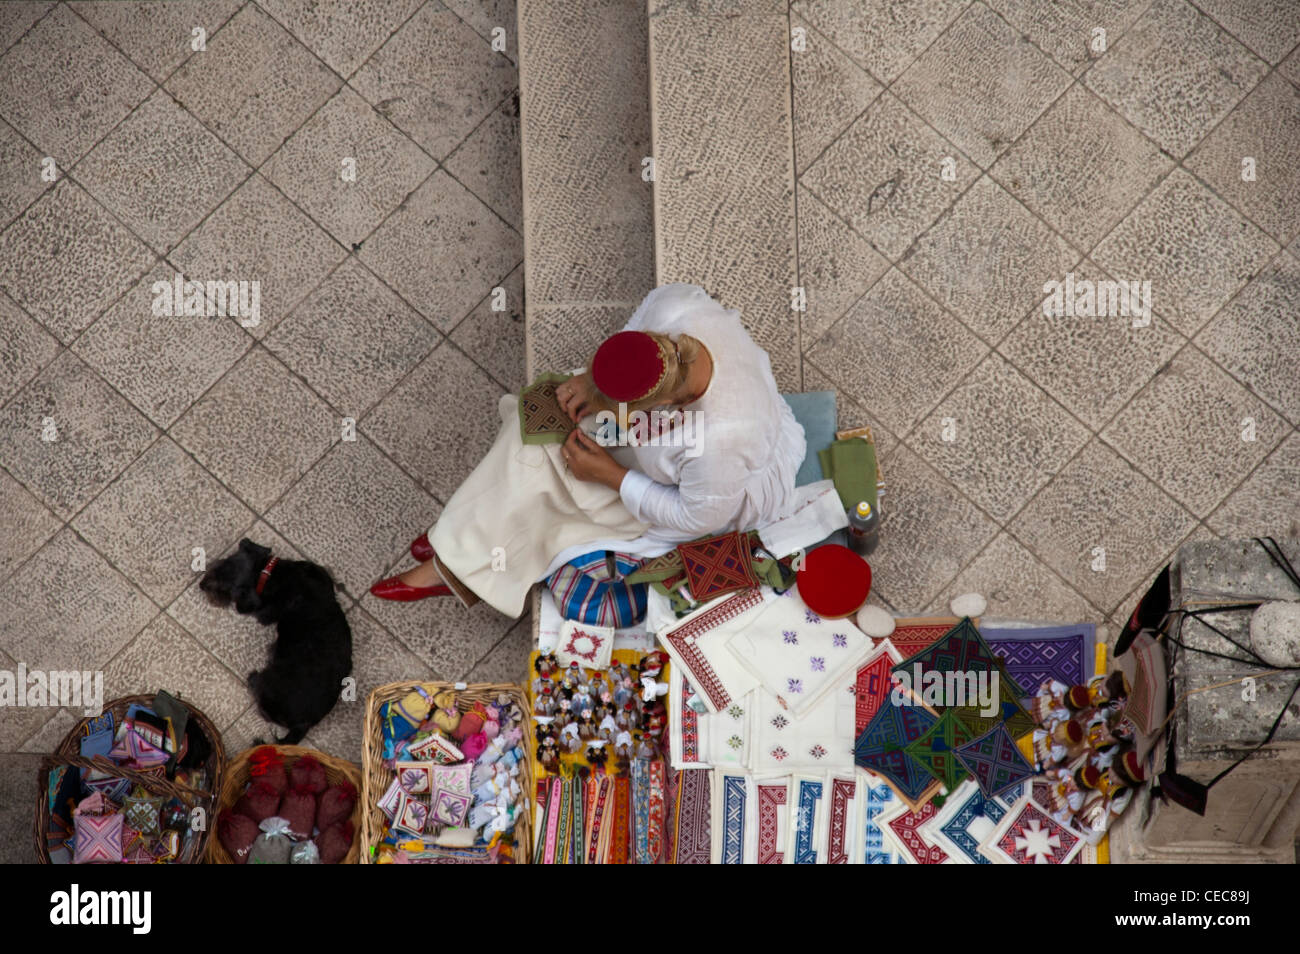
(815, 410)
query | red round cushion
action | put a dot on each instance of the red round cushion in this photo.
(834, 581)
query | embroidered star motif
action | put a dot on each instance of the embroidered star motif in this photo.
(840, 641)
(794, 685)
(1037, 842)
(818, 663)
(791, 637)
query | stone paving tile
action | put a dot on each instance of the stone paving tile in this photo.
(1016, 585)
(1081, 190)
(310, 168)
(1065, 29)
(258, 429)
(157, 36)
(1101, 525)
(987, 259)
(17, 794)
(1256, 337)
(1175, 74)
(1268, 502)
(439, 450)
(1193, 247)
(830, 91)
(881, 39)
(1265, 127)
(65, 260)
(258, 235)
(20, 173)
(25, 525)
(352, 339)
(17, 18)
(55, 730)
(1269, 27)
(487, 162)
(883, 176)
(1195, 431)
(496, 338)
(25, 348)
(443, 250)
(164, 656)
(565, 337)
(68, 434)
(20, 721)
(1091, 365)
(341, 34)
(68, 588)
(254, 85)
(897, 352)
(249, 728)
(998, 437)
(63, 86)
(137, 525)
(836, 266)
(435, 79)
(508, 659)
(162, 364)
(961, 86)
(929, 530)
(851, 413)
(490, 19)
(1290, 67)
(352, 511)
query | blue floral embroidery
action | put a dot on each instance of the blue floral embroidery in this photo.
(818, 663)
(794, 685)
(791, 637)
(840, 641)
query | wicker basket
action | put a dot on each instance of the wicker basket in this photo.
(68, 753)
(377, 776)
(237, 777)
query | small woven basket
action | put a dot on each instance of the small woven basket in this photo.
(69, 753)
(377, 776)
(237, 776)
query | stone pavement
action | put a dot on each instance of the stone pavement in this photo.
(950, 159)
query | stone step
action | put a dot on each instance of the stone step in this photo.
(584, 136)
(724, 191)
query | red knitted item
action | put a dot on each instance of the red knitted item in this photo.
(298, 808)
(237, 833)
(336, 804)
(265, 764)
(259, 802)
(309, 773)
(334, 842)
(717, 565)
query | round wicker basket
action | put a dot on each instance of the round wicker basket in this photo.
(377, 776)
(236, 779)
(68, 753)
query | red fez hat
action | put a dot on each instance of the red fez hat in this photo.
(834, 581)
(1078, 698)
(628, 366)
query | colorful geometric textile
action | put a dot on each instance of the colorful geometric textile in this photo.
(962, 650)
(913, 634)
(845, 796)
(658, 794)
(734, 827)
(665, 567)
(641, 811)
(141, 811)
(692, 837)
(803, 833)
(882, 748)
(594, 589)
(698, 645)
(995, 762)
(879, 797)
(1011, 713)
(99, 839)
(1146, 673)
(773, 809)
(717, 565)
(935, 751)
(1028, 835)
(591, 647)
(1033, 656)
(451, 793)
(540, 419)
(966, 819)
(618, 851)
(871, 690)
(901, 826)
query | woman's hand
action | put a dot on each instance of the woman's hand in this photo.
(575, 396)
(587, 460)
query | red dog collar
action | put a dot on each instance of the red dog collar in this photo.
(266, 572)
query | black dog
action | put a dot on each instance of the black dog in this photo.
(313, 650)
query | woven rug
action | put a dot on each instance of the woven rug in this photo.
(540, 419)
(995, 762)
(936, 750)
(961, 649)
(882, 748)
(1036, 655)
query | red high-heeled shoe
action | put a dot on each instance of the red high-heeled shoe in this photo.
(394, 589)
(421, 549)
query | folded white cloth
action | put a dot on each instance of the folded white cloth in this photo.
(817, 515)
(819, 740)
(697, 644)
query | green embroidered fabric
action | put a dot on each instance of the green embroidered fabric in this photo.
(541, 421)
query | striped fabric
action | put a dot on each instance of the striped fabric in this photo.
(590, 589)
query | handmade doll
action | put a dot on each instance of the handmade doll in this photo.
(652, 664)
(582, 698)
(570, 739)
(563, 713)
(544, 705)
(656, 721)
(575, 674)
(587, 727)
(652, 689)
(623, 745)
(548, 754)
(599, 688)
(644, 748)
(546, 666)
(608, 728)
(596, 754)
(1048, 705)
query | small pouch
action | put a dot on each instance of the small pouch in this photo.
(451, 793)
(259, 802)
(265, 764)
(308, 773)
(434, 748)
(298, 808)
(98, 839)
(334, 843)
(237, 832)
(335, 804)
(273, 846)
(411, 815)
(141, 810)
(415, 778)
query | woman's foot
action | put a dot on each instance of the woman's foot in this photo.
(417, 583)
(421, 549)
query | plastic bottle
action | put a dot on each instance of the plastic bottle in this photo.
(864, 529)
